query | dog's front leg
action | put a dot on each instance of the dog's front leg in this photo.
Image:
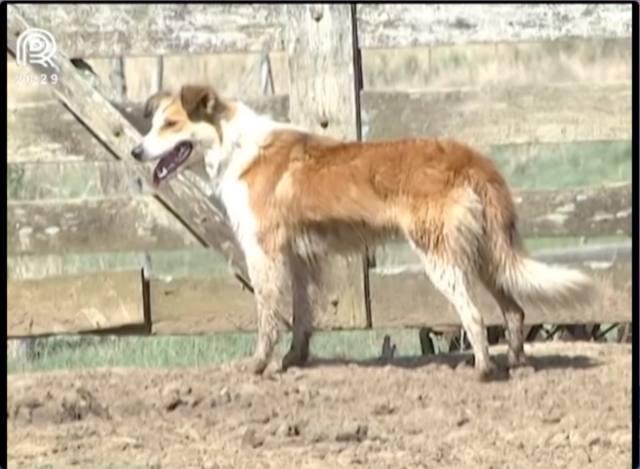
(271, 279)
(306, 293)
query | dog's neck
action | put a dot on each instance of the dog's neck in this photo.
(243, 132)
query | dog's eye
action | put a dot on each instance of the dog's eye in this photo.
(169, 124)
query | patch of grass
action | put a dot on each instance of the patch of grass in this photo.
(196, 351)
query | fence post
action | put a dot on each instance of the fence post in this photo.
(322, 98)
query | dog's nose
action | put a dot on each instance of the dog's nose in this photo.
(137, 152)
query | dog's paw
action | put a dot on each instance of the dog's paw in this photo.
(250, 365)
(491, 372)
(293, 358)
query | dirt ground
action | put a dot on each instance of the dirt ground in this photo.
(573, 411)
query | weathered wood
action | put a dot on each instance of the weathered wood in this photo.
(200, 305)
(37, 181)
(117, 223)
(118, 78)
(158, 264)
(47, 132)
(611, 252)
(160, 29)
(500, 115)
(322, 98)
(404, 297)
(449, 66)
(182, 195)
(74, 304)
(399, 256)
(388, 25)
(589, 211)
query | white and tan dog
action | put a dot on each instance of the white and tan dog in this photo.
(292, 196)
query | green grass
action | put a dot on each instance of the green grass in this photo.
(198, 351)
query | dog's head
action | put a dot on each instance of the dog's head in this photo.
(178, 121)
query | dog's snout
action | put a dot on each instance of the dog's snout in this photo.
(137, 152)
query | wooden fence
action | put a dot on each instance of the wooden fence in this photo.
(93, 248)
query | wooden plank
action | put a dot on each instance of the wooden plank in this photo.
(118, 223)
(195, 262)
(159, 29)
(406, 298)
(388, 25)
(589, 253)
(74, 304)
(501, 115)
(36, 181)
(505, 63)
(593, 211)
(48, 132)
(399, 256)
(181, 195)
(322, 98)
(200, 305)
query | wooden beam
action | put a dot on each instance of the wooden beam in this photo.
(404, 297)
(80, 225)
(74, 303)
(197, 305)
(322, 98)
(160, 29)
(181, 195)
(158, 264)
(401, 258)
(610, 252)
(47, 132)
(592, 211)
(502, 115)
(40, 181)
(389, 25)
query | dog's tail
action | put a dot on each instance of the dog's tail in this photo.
(546, 286)
(529, 281)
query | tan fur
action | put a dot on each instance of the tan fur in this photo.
(302, 183)
(293, 196)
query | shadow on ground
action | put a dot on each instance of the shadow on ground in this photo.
(454, 360)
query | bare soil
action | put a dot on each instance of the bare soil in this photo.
(572, 411)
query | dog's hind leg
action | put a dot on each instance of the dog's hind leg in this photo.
(453, 283)
(514, 320)
(306, 292)
(448, 246)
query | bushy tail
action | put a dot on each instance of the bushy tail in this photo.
(539, 284)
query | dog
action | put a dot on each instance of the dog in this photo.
(292, 196)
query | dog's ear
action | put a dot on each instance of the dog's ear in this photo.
(198, 99)
(152, 104)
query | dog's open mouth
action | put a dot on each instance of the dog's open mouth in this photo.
(171, 161)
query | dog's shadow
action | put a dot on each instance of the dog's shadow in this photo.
(454, 360)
